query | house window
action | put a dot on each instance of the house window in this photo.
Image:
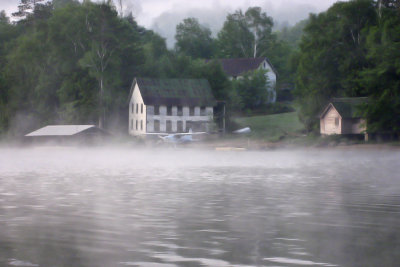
(132, 109)
(169, 111)
(180, 111)
(180, 126)
(156, 125)
(141, 124)
(156, 110)
(136, 124)
(131, 124)
(337, 122)
(137, 108)
(191, 111)
(169, 126)
(141, 108)
(189, 125)
(203, 111)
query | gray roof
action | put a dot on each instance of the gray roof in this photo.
(348, 107)
(179, 92)
(237, 66)
(60, 130)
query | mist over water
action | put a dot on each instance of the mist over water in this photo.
(180, 207)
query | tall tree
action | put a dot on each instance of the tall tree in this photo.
(381, 78)
(193, 39)
(108, 40)
(235, 38)
(332, 53)
(260, 25)
(243, 33)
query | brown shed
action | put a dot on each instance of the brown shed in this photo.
(342, 116)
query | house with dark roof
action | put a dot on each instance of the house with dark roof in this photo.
(170, 106)
(342, 116)
(237, 67)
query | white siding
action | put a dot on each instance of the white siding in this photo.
(137, 116)
(331, 123)
(271, 75)
(174, 118)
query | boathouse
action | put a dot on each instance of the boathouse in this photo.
(67, 133)
(343, 116)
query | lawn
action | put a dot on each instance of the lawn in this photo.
(272, 127)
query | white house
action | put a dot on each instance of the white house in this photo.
(170, 106)
(237, 67)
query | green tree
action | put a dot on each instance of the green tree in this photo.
(381, 78)
(332, 54)
(109, 38)
(55, 67)
(193, 39)
(260, 25)
(251, 91)
(235, 38)
(243, 33)
(292, 35)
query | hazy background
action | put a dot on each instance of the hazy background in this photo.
(163, 15)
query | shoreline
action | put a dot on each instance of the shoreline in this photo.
(221, 144)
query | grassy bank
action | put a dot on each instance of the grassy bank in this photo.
(273, 127)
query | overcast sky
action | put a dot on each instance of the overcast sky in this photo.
(163, 15)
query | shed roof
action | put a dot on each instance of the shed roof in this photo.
(191, 92)
(348, 107)
(60, 130)
(236, 66)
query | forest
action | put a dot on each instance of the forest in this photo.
(67, 62)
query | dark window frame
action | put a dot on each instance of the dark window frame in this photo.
(156, 110)
(168, 126)
(179, 111)
(156, 126)
(203, 111)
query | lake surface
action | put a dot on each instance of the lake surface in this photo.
(178, 207)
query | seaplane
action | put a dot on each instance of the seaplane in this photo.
(178, 138)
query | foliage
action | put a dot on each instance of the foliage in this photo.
(352, 50)
(193, 39)
(292, 35)
(332, 54)
(249, 34)
(381, 79)
(72, 65)
(72, 61)
(243, 33)
(250, 91)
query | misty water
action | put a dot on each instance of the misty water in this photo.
(179, 207)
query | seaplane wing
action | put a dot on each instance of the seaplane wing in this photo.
(177, 137)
